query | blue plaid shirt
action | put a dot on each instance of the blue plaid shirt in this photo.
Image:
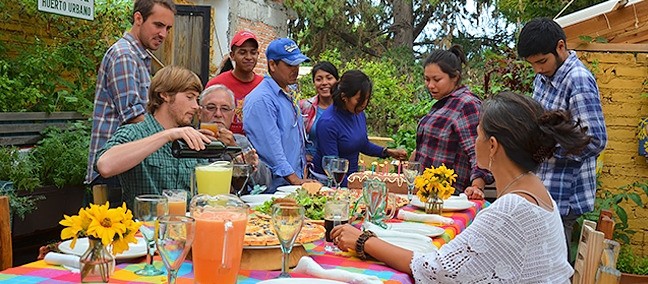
(121, 94)
(571, 179)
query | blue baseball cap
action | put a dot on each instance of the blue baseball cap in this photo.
(286, 50)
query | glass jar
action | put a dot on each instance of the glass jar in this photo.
(96, 263)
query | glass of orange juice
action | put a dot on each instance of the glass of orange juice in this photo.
(209, 125)
(213, 179)
(177, 200)
(218, 243)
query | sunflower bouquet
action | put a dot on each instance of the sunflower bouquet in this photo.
(435, 183)
(113, 226)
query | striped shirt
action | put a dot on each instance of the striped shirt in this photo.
(571, 179)
(121, 93)
(446, 135)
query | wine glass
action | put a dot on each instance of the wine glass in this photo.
(240, 175)
(175, 235)
(287, 221)
(411, 170)
(339, 168)
(148, 208)
(336, 212)
(326, 163)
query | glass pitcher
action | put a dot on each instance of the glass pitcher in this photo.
(374, 193)
(218, 244)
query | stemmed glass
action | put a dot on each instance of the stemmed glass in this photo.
(240, 175)
(326, 164)
(287, 221)
(175, 235)
(339, 168)
(336, 212)
(148, 208)
(411, 170)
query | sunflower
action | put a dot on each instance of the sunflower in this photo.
(106, 223)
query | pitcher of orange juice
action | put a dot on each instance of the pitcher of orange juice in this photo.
(218, 244)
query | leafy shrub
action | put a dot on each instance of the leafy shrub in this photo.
(629, 262)
(18, 171)
(63, 154)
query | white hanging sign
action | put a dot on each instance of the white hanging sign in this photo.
(83, 9)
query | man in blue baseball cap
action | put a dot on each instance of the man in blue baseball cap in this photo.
(272, 121)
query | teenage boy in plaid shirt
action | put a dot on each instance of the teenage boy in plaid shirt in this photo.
(563, 82)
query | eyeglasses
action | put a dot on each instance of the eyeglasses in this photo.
(213, 108)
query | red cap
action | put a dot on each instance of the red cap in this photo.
(241, 37)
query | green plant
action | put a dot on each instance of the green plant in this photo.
(63, 154)
(18, 172)
(630, 262)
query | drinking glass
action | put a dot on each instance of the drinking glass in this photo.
(175, 235)
(287, 221)
(148, 208)
(210, 125)
(240, 175)
(326, 163)
(339, 168)
(411, 170)
(336, 212)
(177, 199)
(374, 193)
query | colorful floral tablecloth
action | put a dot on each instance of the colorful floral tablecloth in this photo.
(40, 272)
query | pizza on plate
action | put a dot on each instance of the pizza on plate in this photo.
(259, 232)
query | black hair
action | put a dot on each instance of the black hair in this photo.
(145, 8)
(351, 82)
(450, 61)
(226, 65)
(540, 36)
(326, 67)
(527, 132)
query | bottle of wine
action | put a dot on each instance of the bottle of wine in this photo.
(213, 150)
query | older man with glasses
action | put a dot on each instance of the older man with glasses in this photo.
(218, 106)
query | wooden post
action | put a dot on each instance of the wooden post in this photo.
(6, 250)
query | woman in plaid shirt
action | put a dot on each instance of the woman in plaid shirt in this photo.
(446, 135)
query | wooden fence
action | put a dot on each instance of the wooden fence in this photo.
(24, 128)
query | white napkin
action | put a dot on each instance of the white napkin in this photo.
(308, 266)
(416, 217)
(71, 262)
(409, 241)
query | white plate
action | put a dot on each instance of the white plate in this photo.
(299, 280)
(133, 251)
(448, 205)
(417, 228)
(288, 188)
(257, 198)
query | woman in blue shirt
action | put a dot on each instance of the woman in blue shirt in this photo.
(342, 129)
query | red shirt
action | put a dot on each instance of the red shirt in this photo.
(240, 89)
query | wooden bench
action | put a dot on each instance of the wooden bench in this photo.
(24, 128)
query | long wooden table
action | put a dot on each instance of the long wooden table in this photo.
(41, 272)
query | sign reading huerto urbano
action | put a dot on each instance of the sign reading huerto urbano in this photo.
(83, 9)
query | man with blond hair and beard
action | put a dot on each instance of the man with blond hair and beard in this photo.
(123, 80)
(140, 154)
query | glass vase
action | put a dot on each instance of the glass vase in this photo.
(434, 205)
(97, 264)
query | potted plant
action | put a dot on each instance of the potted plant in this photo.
(632, 265)
(642, 136)
(18, 172)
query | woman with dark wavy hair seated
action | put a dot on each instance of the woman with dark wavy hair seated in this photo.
(519, 238)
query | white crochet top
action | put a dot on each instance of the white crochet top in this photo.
(511, 241)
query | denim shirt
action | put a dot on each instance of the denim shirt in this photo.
(274, 125)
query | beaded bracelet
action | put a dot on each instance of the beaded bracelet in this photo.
(361, 242)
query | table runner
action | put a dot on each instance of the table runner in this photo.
(40, 272)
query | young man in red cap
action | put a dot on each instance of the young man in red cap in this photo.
(245, 53)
